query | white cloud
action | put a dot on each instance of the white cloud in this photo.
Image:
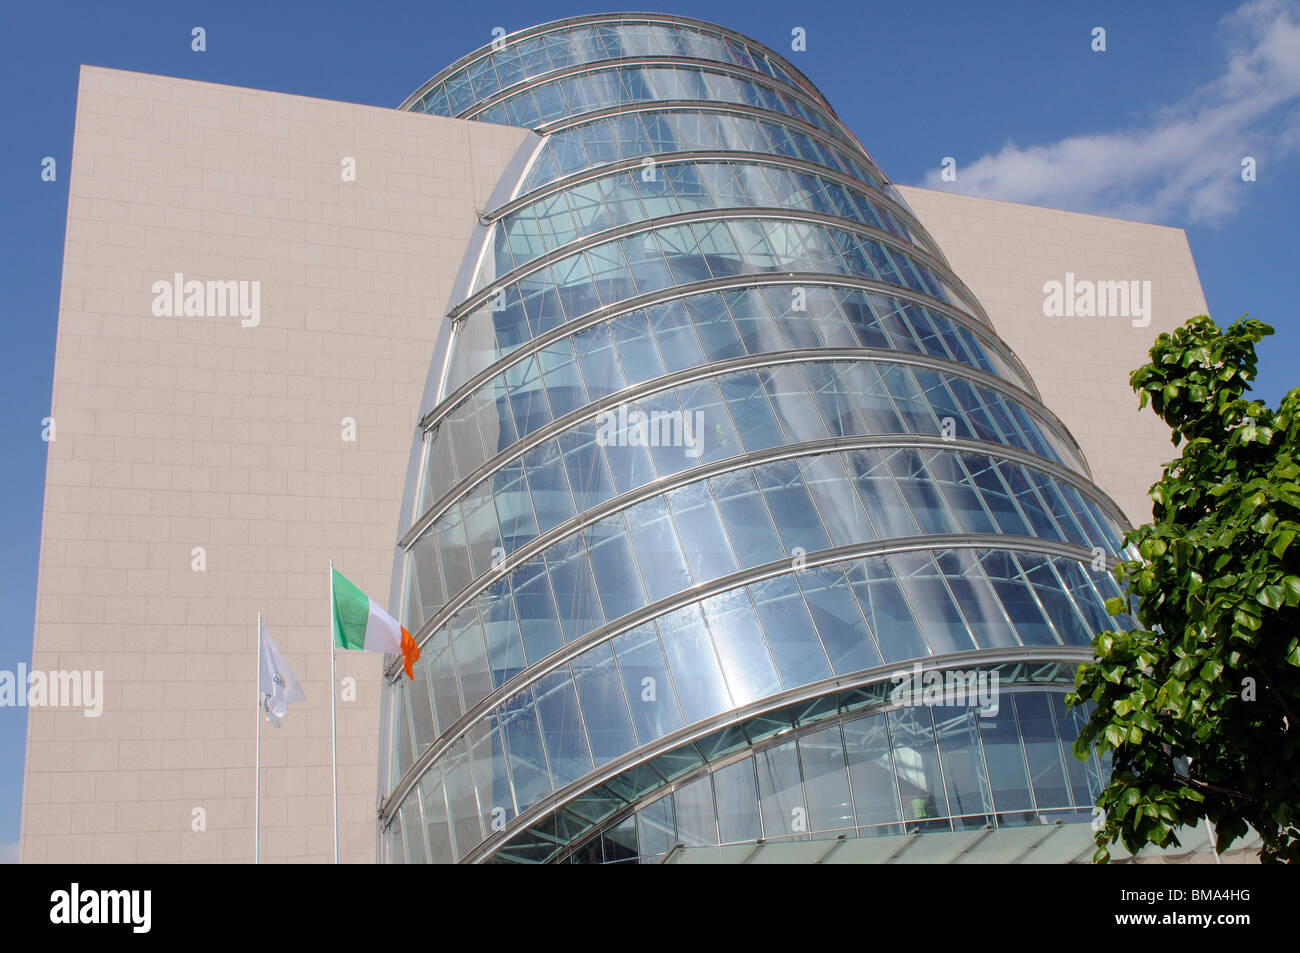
(1182, 163)
(9, 853)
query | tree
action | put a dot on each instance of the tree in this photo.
(1198, 703)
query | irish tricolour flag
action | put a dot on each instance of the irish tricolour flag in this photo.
(360, 623)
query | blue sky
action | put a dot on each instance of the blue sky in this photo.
(1153, 129)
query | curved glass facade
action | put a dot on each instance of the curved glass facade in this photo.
(716, 437)
(906, 770)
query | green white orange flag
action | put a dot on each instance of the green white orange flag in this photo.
(360, 623)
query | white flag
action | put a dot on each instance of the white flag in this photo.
(277, 683)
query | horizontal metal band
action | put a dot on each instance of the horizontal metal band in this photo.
(618, 232)
(757, 113)
(613, 64)
(557, 802)
(985, 333)
(722, 584)
(742, 156)
(708, 371)
(666, 484)
(653, 19)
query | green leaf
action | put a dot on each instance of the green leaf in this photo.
(1293, 653)
(1270, 596)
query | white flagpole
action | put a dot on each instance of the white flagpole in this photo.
(334, 735)
(257, 713)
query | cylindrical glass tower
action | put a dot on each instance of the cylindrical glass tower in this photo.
(717, 445)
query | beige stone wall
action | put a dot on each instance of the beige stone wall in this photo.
(176, 433)
(1005, 252)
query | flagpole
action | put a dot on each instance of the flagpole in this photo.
(257, 776)
(334, 734)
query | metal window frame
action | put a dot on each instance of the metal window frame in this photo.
(515, 451)
(693, 733)
(722, 584)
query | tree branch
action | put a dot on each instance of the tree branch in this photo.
(1219, 789)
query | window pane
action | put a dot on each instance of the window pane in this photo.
(514, 506)
(1060, 608)
(963, 762)
(886, 610)
(479, 517)
(746, 518)
(841, 625)
(471, 656)
(585, 464)
(675, 336)
(647, 683)
(630, 464)
(717, 333)
(793, 405)
(600, 368)
(1005, 760)
(1046, 766)
(872, 397)
(656, 828)
(838, 410)
(746, 662)
(792, 508)
(995, 495)
(751, 411)
(737, 802)
(651, 532)
(505, 652)
(564, 388)
(491, 779)
(697, 825)
(916, 759)
(1030, 505)
(548, 485)
(1018, 600)
(826, 778)
(837, 502)
(604, 710)
(979, 603)
(880, 495)
(794, 642)
(465, 827)
(618, 582)
(871, 768)
(561, 721)
(939, 617)
(700, 531)
(781, 791)
(574, 588)
(440, 669)
(1084, 781)
(922, 495)
(636, 347)
(695, 668)
(707, 430)
(538, 622)
(959, 491)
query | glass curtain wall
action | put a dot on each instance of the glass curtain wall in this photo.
(717, 431)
